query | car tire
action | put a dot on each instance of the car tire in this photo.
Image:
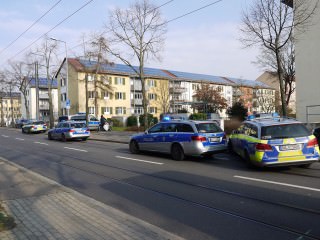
(177, 152)
(230, 147)
(134, 147)
(50, 136)
(63, 138)
(248, 161)
(84, 139)
(305, 165)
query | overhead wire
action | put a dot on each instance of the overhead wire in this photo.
(66, 18)
(34, 23)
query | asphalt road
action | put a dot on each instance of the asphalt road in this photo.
(216, 198)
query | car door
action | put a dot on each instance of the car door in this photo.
(167, 137)
(55, 131)
(150, 139)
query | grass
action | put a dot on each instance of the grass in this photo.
(6, 221)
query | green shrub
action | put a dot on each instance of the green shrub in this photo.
(132, 121)
(116, 122)
(198, 116)
(151, 120)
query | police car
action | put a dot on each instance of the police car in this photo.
(180, 138)
(93, 122)
(274, 141)
(34, 126)
(69, 130)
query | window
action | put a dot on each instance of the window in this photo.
(63, 97)
(120, 95)
(157, 128)
(208, 128)
(152, 96)
(170, 127)
(91, 94)
(106, 95)
(120, 110)
(182, 127)
(138, 110)
(91, 110)
(106, 110)
(138, 96)
(119, 81)
(152, 110)
(152, 83)
(63, 82)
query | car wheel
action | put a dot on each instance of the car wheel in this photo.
(63, 138)
(134, 147)
(84, 139)
(50, 136)
(177, 152)
(305, 165)
(230, 147)
(248, 160)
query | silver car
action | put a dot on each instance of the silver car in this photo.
(69, 130)
(180, 138)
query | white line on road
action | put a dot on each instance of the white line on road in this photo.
(76, 149)
(4, 136)
(42, 143)
(139, 160)
(278, 183)
(21, 139)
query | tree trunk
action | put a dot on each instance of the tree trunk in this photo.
(87, 98)
(11, 103)
(2, 113)
(282, 93)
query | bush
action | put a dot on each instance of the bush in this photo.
(116, 122)
(198, 116)
(132, 121)
(237, 111)
(151, 120)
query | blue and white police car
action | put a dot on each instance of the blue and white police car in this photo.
(180, 138)
(69, 130)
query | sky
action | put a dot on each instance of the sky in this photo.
(205, 42)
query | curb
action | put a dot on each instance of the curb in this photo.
(108, 140)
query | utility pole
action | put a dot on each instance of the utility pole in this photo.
(36, 68)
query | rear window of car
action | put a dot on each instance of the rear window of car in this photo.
(284, 131)
(208, 128)
(38, 123)
(78, 125)
(78, 118)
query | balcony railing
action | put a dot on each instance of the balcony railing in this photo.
(44, 106)
(44, 96)
(177, 89)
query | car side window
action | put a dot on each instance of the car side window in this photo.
(182, 127)
(65, 125)
(251, 130)
(59, 125)
(155, 129)
(170, 127)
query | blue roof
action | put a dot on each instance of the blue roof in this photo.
(175, 75)
(249, 83)
(43, 82)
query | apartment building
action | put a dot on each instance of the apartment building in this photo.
(38, 99)
(10, 107)
(116, 91)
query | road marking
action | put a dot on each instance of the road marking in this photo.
(278, 183)
(139, 160)
(21, 139)
(4, 136)
(42, 143)
(76, 149)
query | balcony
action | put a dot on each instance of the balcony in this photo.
(179, 100)
(43, 96)
(177, 89)
(44, 106)
(136, 102)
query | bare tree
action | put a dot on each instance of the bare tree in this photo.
(263, 100)
(21, 72)
(97, 57)
(139, 33)
(266, 60)
(47, 51)
(2, 95)
(164, 97)
(270, 24)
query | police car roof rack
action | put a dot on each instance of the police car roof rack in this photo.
(265, 116)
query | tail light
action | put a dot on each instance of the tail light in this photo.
(263, 147)
(72, 130)
(198, 138)
(312, 143)
(87, 130)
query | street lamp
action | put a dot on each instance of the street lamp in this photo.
(67, 69)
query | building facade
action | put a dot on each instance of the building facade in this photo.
(115, 91)
(10, 108)
(37, 98)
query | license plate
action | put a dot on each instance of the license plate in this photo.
(290, 147)
(214, 139)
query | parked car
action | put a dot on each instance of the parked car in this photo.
(34, 126)
(69, 130)
(274, 141)
(180, 138)
(20, 122)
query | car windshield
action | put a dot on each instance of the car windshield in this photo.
(79, 118)
(78, 125)
(208, 128)
(284, 131)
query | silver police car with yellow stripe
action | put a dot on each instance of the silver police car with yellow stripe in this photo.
(274, 141)
(180, 138)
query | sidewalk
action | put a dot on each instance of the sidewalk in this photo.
(44, 209)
